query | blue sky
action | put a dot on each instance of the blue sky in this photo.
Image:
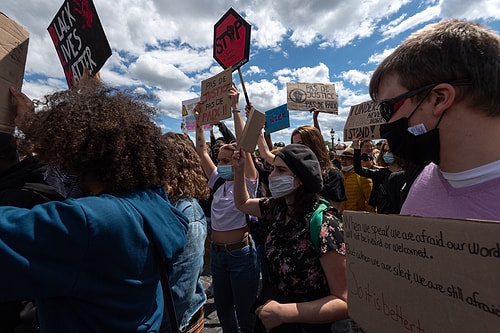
(165, 47)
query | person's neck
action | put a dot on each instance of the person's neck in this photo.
(95, 188)
(469, 140)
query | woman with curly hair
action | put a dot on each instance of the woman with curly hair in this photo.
(185, 185)
(91, 263)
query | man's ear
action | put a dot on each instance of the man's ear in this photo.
(443, 97)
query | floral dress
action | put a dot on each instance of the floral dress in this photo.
(294, 266)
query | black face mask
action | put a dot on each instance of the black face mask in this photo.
(419, 149)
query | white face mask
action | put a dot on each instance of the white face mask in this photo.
(279, 186)
(347, 168)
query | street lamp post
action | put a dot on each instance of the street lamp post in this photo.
(332, 135)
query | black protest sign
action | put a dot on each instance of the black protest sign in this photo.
(79, 39)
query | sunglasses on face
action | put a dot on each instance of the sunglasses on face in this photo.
(388, 107)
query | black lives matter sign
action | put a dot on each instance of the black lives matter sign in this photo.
(79, 39)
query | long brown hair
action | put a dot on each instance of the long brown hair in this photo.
(311, 137)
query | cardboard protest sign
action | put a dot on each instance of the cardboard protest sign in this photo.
(277, 119)
(215, 103)
(304, 96)
(231, 40)
(14, 41)
(414, 274)
(188, 122)
(79, 39)
(252, 130)
(363, 121)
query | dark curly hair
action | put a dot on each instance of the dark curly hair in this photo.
(185, 178)
(102, 135)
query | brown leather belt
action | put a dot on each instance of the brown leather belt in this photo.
(196, 323)
(231, 246)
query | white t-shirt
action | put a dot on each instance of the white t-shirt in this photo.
(225, 216)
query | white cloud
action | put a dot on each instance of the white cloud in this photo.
(168, 47)
(470, 10)
(152, 71)
(356, 77)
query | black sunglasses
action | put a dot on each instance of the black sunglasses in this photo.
(389, 106)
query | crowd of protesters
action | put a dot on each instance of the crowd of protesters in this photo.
(103, 226)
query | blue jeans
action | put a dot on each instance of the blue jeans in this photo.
(235, 276)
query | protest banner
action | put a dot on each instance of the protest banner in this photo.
(363, 121)
(415, 274)
(304, 96)
(252, 130)
(215, 103)
(232, 43)
(231, 40)
(79, 39)
(14, 41)
(277, 119)
(188, 121)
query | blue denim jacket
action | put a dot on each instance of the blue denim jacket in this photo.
(187, 266)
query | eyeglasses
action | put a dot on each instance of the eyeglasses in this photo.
(388, 107)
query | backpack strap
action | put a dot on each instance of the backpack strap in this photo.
(218, 183)
(315, 222)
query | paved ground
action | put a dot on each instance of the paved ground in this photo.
(212, 324)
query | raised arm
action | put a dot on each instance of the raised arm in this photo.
(358, 167)
(315, 117)
(241, 199)
(234, 95)
(206, 162)
(226, 132)
(264, 151)
(24, 108)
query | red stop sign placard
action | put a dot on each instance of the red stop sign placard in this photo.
(231, 40)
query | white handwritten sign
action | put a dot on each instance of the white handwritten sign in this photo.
(414, 274)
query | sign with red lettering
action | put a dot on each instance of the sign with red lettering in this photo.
(79, 39)
(277, 119)
(363, 121)
(231, 40)
(416, 274)
(215, 103)
(305, 96)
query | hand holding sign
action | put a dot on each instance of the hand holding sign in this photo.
(79, 39)
(24, 106)
(234, 97)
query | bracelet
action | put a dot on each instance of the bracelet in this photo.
(236, 111)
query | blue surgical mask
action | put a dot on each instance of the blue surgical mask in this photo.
(388, 158)
(225, 171)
